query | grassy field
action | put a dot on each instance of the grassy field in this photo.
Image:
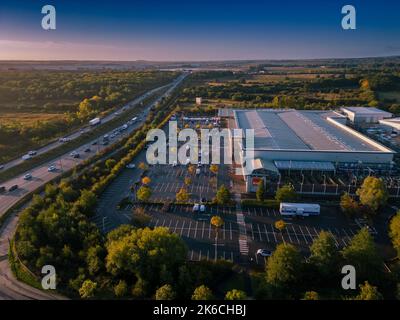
(27, 119)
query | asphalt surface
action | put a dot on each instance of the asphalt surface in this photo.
(10, 288)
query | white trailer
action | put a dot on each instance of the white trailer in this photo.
(94, 121)
(299, 209)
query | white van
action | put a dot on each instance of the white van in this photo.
(299, 209)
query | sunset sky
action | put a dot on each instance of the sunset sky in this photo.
(197, 30)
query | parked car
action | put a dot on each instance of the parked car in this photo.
(264, 253)
(12, 188)
(202, 208)
(131, 166)
(196, 207)
(28, 176)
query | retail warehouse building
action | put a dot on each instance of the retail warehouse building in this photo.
(307, 141)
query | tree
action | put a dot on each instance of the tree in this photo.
(214, 168)
(144, 193)
(280, 225)
(182, 195)
(324, 255)
(311, 295)
(236, 295)
(88, 289)
(121, 289)
(284, 266)
(142, 166)
(191, 169)
(165, 293)
(140, 218)
(368, 292)
(223, 195)
(153, 256)
(87, 202)
(260, 193)
(110, 163)
(146, 180)
(187, 181)
(202, 293)
(363, 255)
(217, 221)
(373, 193)
(285, 193)
(349, 206)
(394, 232)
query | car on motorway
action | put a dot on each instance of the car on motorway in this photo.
(264, 253)
(51, 168)
(13, 188)
(26, 157)
(74, 154)
(1, 166)
(2, 189)
(94, 143)
(87, 150)
(28, 176)
(64, 139)
(32, 153)
(131, 166)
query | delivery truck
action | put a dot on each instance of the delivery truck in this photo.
(95, 122)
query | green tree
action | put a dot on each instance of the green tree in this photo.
(280, 225)
(110, 163)
(394, 232)
(373, 193)
(144, 193)
(88, 289)
(223, 195)
(260, 193)
(87, 202)
(121, 289)
(368, 292)
(363, 255)
(151, 255)
(284, 266)
(311, 295)
(202, 293)
(235, 295)
(214, 168)
(349, 206)
(217, 221)
(182, 195)
(165, 293)
(324, 255)
(286, 193)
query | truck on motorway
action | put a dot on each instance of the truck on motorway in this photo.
(95, 122)
(299, 209)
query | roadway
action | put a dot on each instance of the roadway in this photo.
(9, 287)
(87, 128)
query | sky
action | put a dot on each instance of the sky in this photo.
(197, 30)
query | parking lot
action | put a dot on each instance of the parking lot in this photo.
(195, 229)
(298, 231)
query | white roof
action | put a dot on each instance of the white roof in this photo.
(300, 205)
(367, 111)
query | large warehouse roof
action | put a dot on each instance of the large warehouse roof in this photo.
(302, 130)
(365, 111)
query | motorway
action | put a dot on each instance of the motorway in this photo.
(85, 129)
(9, 287)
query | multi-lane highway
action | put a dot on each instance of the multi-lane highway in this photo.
(9, 287)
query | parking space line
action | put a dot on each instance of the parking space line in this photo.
(273, 232)
(170, 222)
(191, 257)
(230, 229)
(302, 233)
(294, 232)
(176, 225)
(202, 233)
(290, 238)
(155, 226)
(163, 223)
(200, 255)
(259, 232)
(266, 233)
(252, 231)
(312, 238)
(195, 229)
(188, 233)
